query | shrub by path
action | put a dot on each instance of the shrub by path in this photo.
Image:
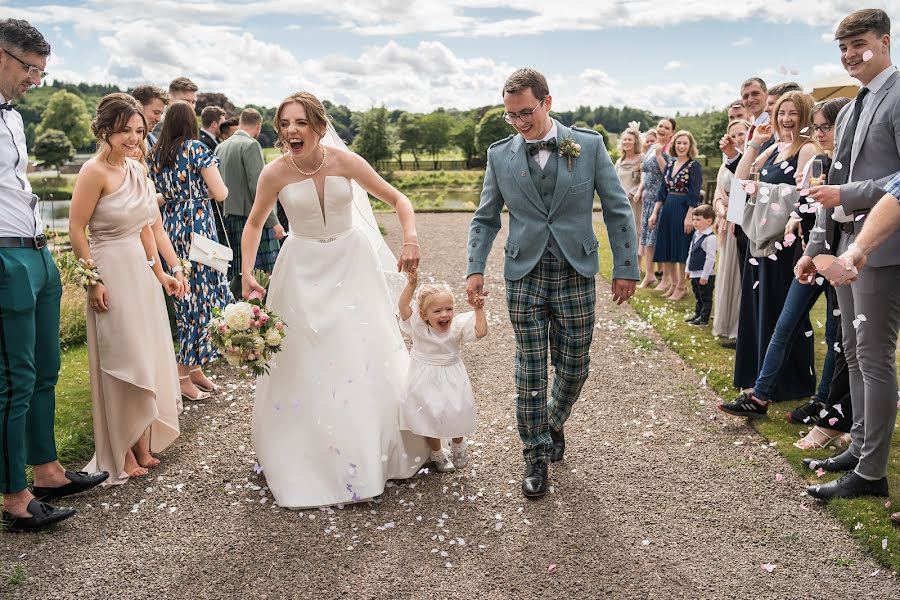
(657, 498)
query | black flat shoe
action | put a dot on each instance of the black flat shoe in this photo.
(840, 462)
(42, 516)
(808, 414)
(534, 485)
(559, 445)
(79, 482)
(850, 485)
(728, 343)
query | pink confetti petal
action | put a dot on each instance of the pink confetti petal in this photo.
(789, 239)
(773, 257)
(832, 421)
(750, 187)
(803, 192)
(551, 567)
(820, 471)
(868, 55)
(753, 261)
(767, 567)
(779, 477)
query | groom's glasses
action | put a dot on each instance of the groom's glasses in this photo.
(525, 116)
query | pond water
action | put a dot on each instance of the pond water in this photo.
(55, 214)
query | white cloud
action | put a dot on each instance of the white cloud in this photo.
(744, 41)
(829, 70)
(674, 65)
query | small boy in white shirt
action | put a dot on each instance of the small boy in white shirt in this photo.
(701, 262)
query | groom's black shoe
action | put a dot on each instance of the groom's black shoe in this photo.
(534, 485)
(78, 482)
(850, 485)
(42, 516)
(841, 462)
(559, 445)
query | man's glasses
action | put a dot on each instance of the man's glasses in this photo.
(525, 116)
(822, 128)
(32, 70)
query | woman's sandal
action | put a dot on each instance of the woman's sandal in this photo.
(202, 387)
(820, 437)
(201, 393)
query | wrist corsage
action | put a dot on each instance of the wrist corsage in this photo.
(184, 265)
(87, 273)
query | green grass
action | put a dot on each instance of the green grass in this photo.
(865, 518)
(74, 423)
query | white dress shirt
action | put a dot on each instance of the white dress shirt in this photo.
(17, 217)
(709, 245)
(543, 155)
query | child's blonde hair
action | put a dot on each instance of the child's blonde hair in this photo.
(427, 292)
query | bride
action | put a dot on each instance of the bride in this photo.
(325, 419)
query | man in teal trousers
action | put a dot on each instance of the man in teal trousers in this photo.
(30, 292)
(546, 176)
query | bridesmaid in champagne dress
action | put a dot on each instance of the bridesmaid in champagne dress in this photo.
(134, 381)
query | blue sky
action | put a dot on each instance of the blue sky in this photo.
(417, 55)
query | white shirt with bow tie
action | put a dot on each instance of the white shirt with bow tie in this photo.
(17, 217)
(543, 154)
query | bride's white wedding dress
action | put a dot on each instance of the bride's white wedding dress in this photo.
(326, 417)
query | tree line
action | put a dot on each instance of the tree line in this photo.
(57, 123)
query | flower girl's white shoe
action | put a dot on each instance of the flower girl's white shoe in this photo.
(441, 461)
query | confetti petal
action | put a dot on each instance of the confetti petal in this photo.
(779, 477)
(868, 55)
(837, 166)
(832, 421)
(767, 567)
(753, 261)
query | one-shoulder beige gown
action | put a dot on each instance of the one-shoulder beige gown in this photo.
(134, 379)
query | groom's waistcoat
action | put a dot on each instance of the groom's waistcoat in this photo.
(551, 209)
(545, 183)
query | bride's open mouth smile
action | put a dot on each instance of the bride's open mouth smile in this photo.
(296, 145)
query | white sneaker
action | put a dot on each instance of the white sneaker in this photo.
(460, 454)
(442, 463)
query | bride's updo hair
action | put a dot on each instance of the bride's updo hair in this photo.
(428, 292)
(315, 114)
(113, 114)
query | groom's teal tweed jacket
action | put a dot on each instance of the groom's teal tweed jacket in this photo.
(569, 218)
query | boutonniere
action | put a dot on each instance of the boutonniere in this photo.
(570, 149)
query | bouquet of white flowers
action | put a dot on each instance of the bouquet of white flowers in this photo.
(247, 333)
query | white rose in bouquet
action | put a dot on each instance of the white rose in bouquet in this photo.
(273, 338)
(233, 358)
(238, 316)
(258, 342)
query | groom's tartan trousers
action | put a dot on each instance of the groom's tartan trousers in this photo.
(555, 304)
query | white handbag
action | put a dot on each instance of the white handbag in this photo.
(210, 253)
(207, 252)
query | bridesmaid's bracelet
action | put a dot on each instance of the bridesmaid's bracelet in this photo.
(410, 244)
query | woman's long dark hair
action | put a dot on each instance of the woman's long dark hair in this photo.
(830, 108)
(179, 125)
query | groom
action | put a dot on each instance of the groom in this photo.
(546, 176)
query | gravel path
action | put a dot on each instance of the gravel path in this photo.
(657, 498)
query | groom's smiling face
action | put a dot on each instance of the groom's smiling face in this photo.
(520, 104)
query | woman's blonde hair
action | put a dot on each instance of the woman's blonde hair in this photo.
(426, 294)
(315, 114)
(804, 104)
(634, 132)
(692, 151)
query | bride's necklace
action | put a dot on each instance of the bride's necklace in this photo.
(317, 169)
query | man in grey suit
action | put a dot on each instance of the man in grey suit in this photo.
(240, 162)
(867, 156)
(546, 176)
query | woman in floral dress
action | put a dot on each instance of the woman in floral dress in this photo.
(187, 175)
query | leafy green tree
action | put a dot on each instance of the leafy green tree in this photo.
(463, 136)
(491, 128)
(53, 148)
(599, 128)
(435, 133)
(374, 139)
(68, 113)
(409, 132)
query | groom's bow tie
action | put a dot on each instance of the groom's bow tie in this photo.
(535, 147)
(6, 106)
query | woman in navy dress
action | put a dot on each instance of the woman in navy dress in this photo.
(187, 175)
(674, 209)
(767, 279)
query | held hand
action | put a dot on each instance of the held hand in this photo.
(763, 133)
(279, 232)
(249, 284)
(828, 195)
(184, 284)
(172, 286)
(412, 277)
(475, 287)
(805, 270)
(853, 257)
(409, 258)
(622, 290)
(477, 302)
(687, 276)
(703, 281)
(688, 226)
(97, 298)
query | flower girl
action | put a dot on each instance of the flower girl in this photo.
(439, 402)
